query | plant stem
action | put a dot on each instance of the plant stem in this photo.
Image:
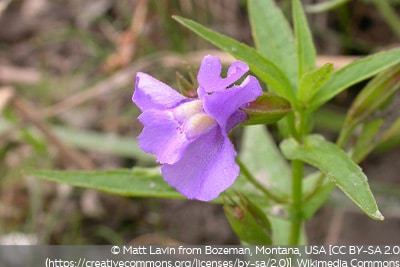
(297, 193)
(297, 182)
(257, 184)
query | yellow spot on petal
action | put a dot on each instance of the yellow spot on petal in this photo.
(187, 110)
(198, 124)
(192, 119)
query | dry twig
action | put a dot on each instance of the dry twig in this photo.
(6, 93)
(11, 74)
(126, 47)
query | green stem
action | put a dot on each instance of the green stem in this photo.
(297, 182)
(297, 193)
(257, 184)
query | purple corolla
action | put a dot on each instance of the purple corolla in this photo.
(189, 136)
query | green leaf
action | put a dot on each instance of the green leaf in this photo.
(376, 97)
(249, 222)
(266, 109)
(136, 182)
(262, 157)
(325, 6)
(273, 36)
(337, 165)
(306, 54)
(262, 67)
(311, 82)
(355, 72)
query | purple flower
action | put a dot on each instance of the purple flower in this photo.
(189, 136)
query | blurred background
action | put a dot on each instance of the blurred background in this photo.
(67, 71)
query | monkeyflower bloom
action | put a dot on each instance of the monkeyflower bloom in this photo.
(189, 136)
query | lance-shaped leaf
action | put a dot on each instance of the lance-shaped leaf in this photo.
(338, 166)
(262, 67)
(249, 222)
(355, 72)
(311, 82)
(267, 108)
(375, 94)
(273, 36)
(306, 54)
(376, 97)
(325, 6)
(136, 182)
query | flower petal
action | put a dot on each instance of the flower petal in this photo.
(151, 93)
(207, 168)
(161, 136)
(236, 118)
(235, 72)
(209, 72)
(222, 105)
(209, 76)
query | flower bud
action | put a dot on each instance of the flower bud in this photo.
(266, 109)
(248, 221)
